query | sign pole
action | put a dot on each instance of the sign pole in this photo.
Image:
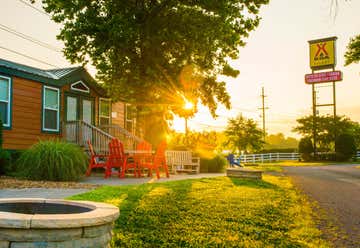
(314, 116)
(322, 56)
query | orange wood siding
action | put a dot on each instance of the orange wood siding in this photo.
(26, 115)
(119, 108)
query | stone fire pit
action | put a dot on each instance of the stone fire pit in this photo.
(40, 223)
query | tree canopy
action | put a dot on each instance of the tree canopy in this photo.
(279, 141)
(243, 135)
(157, 51)
(352, 54)
(327, 129)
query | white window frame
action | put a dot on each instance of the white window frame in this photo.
(80, 82)
(103, 116)
(8, 102)
(54, 109)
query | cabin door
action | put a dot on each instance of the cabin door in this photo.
(79, 108)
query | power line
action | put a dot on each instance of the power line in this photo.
(28, 38)
(33, 7)
(29, 57)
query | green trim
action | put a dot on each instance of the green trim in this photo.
(76, 75)
(10, 102)
(33, 77)
(42, 110)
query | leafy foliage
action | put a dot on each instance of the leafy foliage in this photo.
(306, 148)
(53, 161)
(345, 147)
(205, 144)
(5, 161)
(4, 155)
(279, 141)
(143, 49)
(217, 212)
(214, 165)
(1, 133)
(327, 129)
(243, 135)
(352, 54)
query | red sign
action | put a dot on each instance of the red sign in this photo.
(323, 77)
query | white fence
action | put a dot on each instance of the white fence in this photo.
(271, 157)
(267, 157)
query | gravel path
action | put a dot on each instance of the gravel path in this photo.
(337, 190)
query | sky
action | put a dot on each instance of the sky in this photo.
(276, 57)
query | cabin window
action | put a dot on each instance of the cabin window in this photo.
(5, 100)
(104, 111)
(51, 109)
(130, 113)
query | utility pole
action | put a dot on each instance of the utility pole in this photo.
(263, 110)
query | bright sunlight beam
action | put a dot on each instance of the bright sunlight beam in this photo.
(188, 105)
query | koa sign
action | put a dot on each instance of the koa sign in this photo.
(322, 53)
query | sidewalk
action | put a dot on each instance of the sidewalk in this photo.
(96, 179)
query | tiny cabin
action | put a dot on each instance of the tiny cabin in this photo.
(66, 103)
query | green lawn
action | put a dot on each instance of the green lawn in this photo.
(216, 212)
(277, 166)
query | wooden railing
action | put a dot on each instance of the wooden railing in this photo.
(79, 132)
(128, 139)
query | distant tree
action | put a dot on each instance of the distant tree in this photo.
(206, 143)
(306, 148)
(345, 147)
(157, 51)
(352, 54)
(279, 141)
(243, 135)
(327, 129)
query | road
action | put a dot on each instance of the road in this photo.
(337, 190)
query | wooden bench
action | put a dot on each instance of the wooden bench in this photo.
(182, 161)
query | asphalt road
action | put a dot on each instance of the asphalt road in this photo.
(337, 190)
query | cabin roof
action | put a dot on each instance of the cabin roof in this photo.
(56, 77)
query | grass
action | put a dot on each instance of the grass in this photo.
(215, 212)
(277, 166)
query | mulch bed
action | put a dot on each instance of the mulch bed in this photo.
(14, 183)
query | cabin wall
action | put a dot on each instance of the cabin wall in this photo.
(26, 116)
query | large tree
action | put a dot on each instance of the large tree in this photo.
(327, 129)
(243, 135)
(157, 51)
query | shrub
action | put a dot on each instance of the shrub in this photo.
(1, 133)
(52, 160)
(213, 165)
(5, 160)
(345, 147)
(306, 148)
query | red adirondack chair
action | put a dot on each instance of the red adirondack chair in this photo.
(143, 154)
(158, 161)
(96, 160)
(116, 158)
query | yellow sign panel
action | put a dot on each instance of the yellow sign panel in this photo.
(322, 53)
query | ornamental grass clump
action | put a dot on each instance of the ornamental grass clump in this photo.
(52, 160)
